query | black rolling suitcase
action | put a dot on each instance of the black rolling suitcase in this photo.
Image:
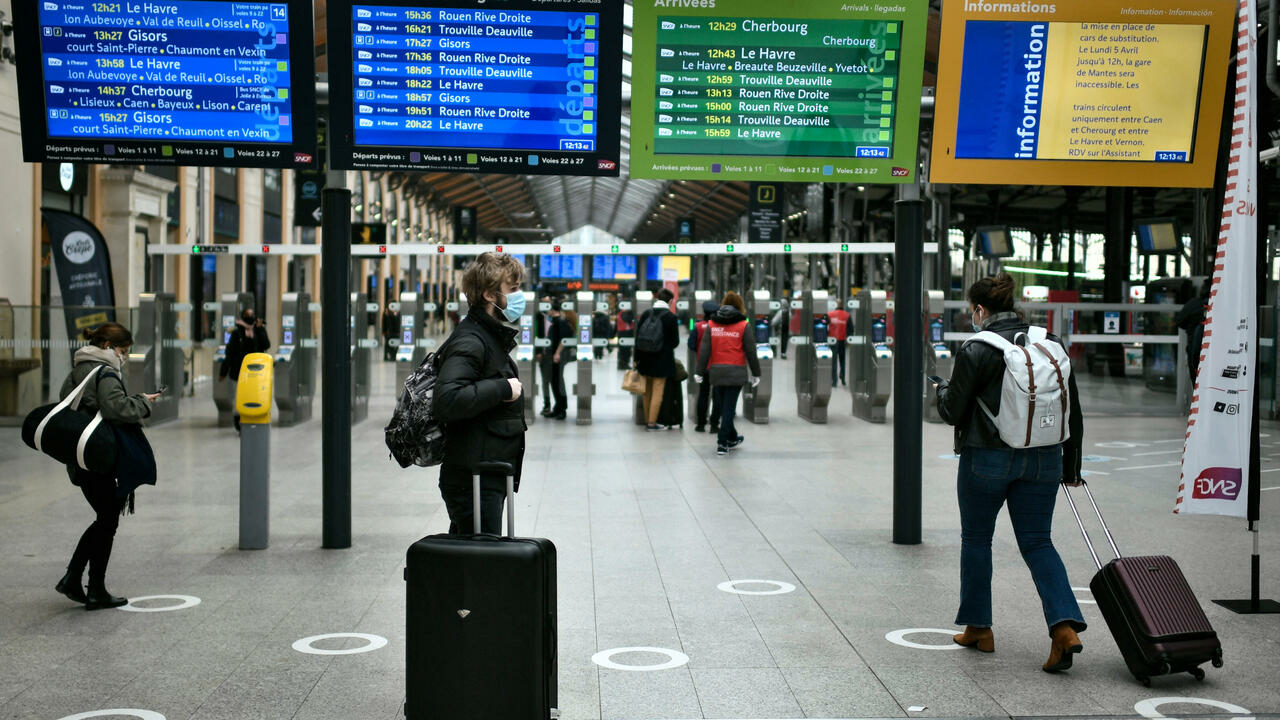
(481, 626)
(671, 411)
(1152, 612)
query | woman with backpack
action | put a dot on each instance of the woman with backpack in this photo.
(477, 390)
(724, 355)
(1026, 476)
(657, 337)
(108, 346)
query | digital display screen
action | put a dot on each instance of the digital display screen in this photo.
(994, 242)
(466, 86)
(288, 338)
(824, 94)
(1157, 237)
(683, 265)
(762, 332)
(877, 331)
(613, 267)
(560, 267)
(1081, 93)
(819, 331)
(935, 331)
(187, 82)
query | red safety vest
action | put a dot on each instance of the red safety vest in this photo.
(726, 344)
(838, 325)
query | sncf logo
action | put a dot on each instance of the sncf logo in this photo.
(900, 172)
(1218, 483)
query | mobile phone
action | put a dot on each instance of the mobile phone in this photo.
(162, 389)
(935, 380)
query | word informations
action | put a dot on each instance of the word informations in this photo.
(760, 97)
(479, 88)
(193, 82)
(1126, 85)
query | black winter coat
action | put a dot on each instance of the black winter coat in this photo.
(978, 373)
(241, 345)
(472, 399)
(662, 363)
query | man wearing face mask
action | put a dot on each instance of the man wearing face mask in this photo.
(248, 337)
(477, 390)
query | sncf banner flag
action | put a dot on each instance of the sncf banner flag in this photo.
(83, 266)
(1215, 460)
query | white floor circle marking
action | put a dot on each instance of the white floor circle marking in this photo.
(140, 714)
(1084, 601)
(604, 659)
(184, 602)
(1147, 708)
(307, 644)
(780, 588)
(898, 637)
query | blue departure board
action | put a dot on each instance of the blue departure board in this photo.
(613, 267)
(472, 87)
(191, 82)
(560, 267)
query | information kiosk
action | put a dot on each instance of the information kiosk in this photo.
(294, 384)
(938, 359)
(154, 361)
(755, 400)
(813, 358)
(525, 366)
(362, 348)
(413, 325)
(584, 388)
(872, 357)
(642, 304)
(229, 308)
(691, 356)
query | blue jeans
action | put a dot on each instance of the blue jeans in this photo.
(726, 398)
(1028, 480)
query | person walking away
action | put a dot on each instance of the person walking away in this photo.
(838, 334)
(249, 336)
(781, 321)
(477, 391)
(723, 359)
(600, 330)
(992, 474)
(542, 322)
(390, 331)
(1191, 319)
(625, 324)
(709, 308)
(657, 337)
(108, 346)
(560, 354)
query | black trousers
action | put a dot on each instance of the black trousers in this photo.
(727, 397)
(707, 398)
(546, 369)
(459, 503)
(841, 356)
(94, 548)
(557, 387)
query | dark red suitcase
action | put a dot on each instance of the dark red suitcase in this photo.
(481, 625)
(1153, 614)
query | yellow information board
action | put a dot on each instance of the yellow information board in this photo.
(1088, 92)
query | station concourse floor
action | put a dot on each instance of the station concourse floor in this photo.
(647, 526)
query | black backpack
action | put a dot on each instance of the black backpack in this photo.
(649, 335)
(413, 435)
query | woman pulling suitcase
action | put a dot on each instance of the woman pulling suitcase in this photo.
(992, 473)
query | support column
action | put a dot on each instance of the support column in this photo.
(908, 376)
(335, 382)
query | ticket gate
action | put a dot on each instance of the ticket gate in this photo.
(642, 304)
(938, 359)
(872, 361)
(526, 368)
(229, 309)
(755, 400)
(294, 382)
(813, 358)
(412, 345)
(584, 388)
(155, 361)
(362, 349)
(691, 357)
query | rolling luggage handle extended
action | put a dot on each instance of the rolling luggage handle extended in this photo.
(1071, 501)
(509, 472)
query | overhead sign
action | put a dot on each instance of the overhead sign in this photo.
(764, 213)
(463, 86)
(169, 82)
(1082, 93)
(368, 233)
(761, 90)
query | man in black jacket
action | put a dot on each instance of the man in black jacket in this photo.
(248, 337)
(476, 393)
(658, 366)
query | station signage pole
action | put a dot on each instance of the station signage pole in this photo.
(335, 381)
(908, 376)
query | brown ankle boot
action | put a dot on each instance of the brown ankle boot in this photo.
(980, 637)
(1065, 644)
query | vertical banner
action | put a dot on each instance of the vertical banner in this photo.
(84, 270)
(1215, 460)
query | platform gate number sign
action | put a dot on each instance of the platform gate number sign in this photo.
(1111, 323)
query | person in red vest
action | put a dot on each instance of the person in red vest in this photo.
(709, 308)
(723, 361)
(838, 333)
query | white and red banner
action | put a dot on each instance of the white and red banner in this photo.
(1215, 459)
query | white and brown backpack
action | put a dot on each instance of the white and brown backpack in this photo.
(1034, 403)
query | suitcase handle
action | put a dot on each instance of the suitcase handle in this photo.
(1066, 490)
(494, 467)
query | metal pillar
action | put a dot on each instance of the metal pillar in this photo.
(335, 256)
(908, 377)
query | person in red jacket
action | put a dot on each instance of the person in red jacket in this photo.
(838, 334)
(723, 360)
(709, 308)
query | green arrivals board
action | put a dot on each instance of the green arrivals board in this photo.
(829, 96)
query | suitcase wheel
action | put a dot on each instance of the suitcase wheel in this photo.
(1217, 661)
(1197, 673)
(1146, 681)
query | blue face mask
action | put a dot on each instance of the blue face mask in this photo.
(515, 306)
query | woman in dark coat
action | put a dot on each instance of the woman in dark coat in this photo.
(477, 390)
(108, 345)
(658, 367)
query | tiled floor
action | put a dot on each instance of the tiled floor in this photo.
(647, 526)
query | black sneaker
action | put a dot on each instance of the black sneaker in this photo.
(700, 428)
(722, 450)
(736, 443)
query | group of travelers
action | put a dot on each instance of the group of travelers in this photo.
(476, 402)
